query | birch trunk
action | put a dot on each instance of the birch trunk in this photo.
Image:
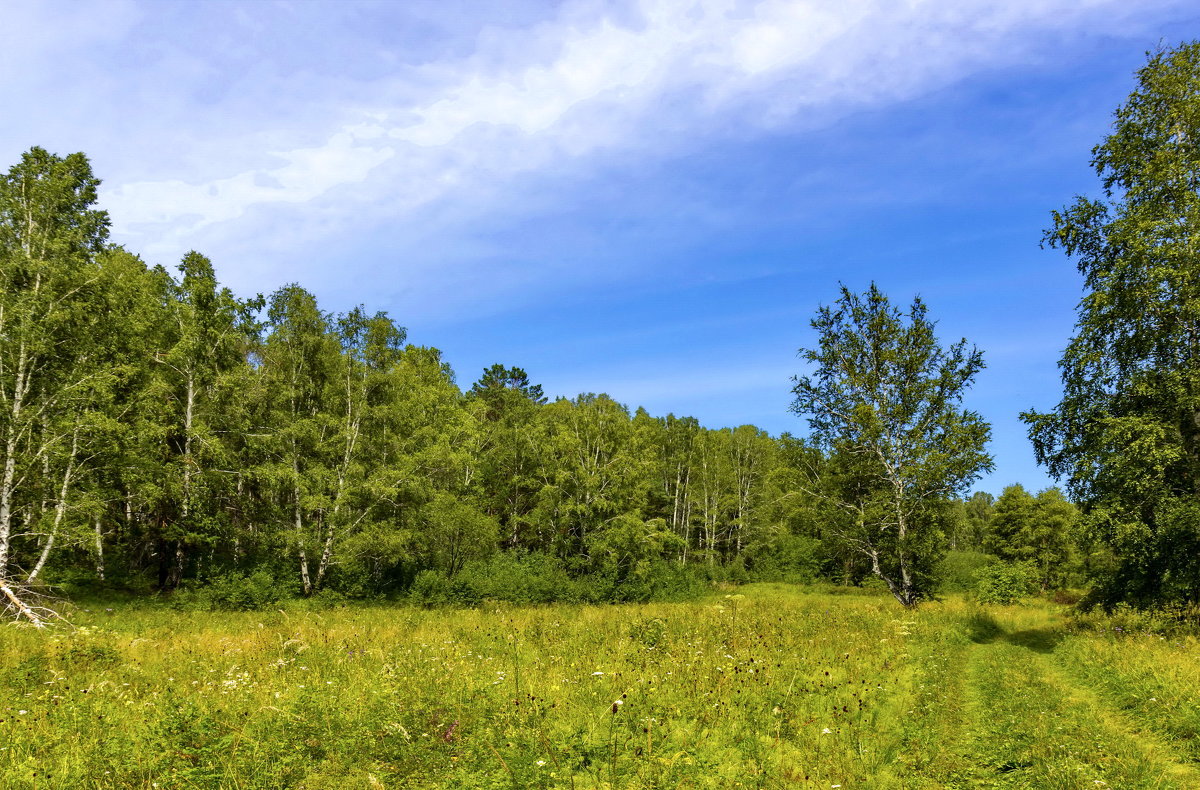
(305, 579)
(99, 550)
(10, 462)
(60, 509)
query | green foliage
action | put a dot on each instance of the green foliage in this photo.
(542, 579)
(959, 570)
(648, 632)
(1040, 530)
(1176, 621)
(1004, 582)
(231, 592)
(1126, 434)
(788, 558)
(55, 380)
(527, 579)
(884, 401)
(230, 453)
(455, 533)
(172, 437)
(978, 512)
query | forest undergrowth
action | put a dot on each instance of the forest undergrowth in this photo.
(770, 686)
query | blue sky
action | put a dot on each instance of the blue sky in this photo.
(645, 198)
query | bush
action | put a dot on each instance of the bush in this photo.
(430, 588)
(875, 586)
(1004, 582)
(517, 578)
(541, 578)
(231, 592)
(791, 558)
(649, 632)
(1172, 621)
(521, 579)
(660, 580)
(959, 570)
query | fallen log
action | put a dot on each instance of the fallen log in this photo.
(17, 608)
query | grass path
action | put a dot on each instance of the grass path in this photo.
(1024, 722)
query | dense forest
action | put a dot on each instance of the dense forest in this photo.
(161, 433)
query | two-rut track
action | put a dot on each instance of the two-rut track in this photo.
(1024, 719)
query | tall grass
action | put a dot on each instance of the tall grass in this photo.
(768, 687)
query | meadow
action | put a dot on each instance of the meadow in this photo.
(768, 686)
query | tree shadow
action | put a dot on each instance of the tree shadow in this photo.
(1039, 640)
(983, 629)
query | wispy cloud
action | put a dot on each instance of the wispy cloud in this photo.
(306, 174)
(642, 79)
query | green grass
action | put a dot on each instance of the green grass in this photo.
(779, 688)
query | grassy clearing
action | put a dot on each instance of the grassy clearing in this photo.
(779, 688)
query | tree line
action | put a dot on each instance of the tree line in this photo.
(158, 431)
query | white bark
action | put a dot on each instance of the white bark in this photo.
(60, 508)
(99, 550)
(22, 609)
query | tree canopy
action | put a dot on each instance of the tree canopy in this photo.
(884, 401)
(1125, 437)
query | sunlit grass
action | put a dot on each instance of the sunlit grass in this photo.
(771, 687)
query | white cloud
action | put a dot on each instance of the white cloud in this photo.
(561, 95)
(601, 88)
(307, 174)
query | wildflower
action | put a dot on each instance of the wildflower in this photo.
(826, 731)
(540, 763)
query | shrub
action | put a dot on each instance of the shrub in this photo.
(517, 578)
(430, 588)
(541, 578)
(791, 558)
(959, 570)
(1004, 582)
(874, 585)
(522, 579)
(1123, 619)
(648, 631)
(231, 592)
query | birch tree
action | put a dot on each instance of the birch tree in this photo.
(299, 371)
(506, 403)
(364, 387)
(49, 236)
(1125, 436)
(884, 400)
(204, 339)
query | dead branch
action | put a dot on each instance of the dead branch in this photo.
(22, 603)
